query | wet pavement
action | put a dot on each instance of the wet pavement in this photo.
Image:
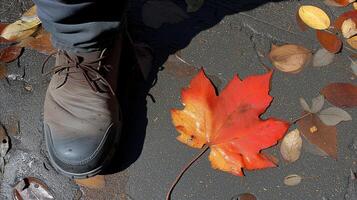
(225, 38)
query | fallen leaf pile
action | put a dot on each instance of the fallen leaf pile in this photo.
(330, 34)
(26, 32)
(229, 123)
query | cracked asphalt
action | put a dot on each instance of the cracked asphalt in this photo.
(224, 37)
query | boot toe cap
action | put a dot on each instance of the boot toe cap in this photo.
(79, 157)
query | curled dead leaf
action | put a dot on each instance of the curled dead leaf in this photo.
(314, 17)
(289, 58)
(329, 41)
(348, 28)
(347, 15)
(21, 29)
(292, 180)
(31, 188)
(290, 148)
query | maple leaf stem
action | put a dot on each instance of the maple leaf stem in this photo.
(188, 165)
(302, 117)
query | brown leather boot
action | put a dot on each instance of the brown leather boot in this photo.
(82, 121)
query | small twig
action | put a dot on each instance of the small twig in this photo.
(188, 165)
(302, 117)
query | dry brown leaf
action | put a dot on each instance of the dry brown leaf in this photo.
(10, 53)
(21, 29)
(31, 188)
(290, 148)
(348, 28)
(289, 58)
(329, 41)
(341, 94)
(292, 180)
(41, 42)
(324, 137)
(95, 182)
(314, 17)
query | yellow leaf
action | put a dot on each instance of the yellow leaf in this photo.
(21, 29)
(95, 182)
(354, 5)
(314, 17)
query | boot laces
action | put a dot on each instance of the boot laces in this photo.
(86, 68)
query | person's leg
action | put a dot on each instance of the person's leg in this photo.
(82, 120)
(81, 25)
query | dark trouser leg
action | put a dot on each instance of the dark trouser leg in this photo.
(81, 25)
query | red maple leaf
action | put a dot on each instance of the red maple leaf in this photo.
(229, 123)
